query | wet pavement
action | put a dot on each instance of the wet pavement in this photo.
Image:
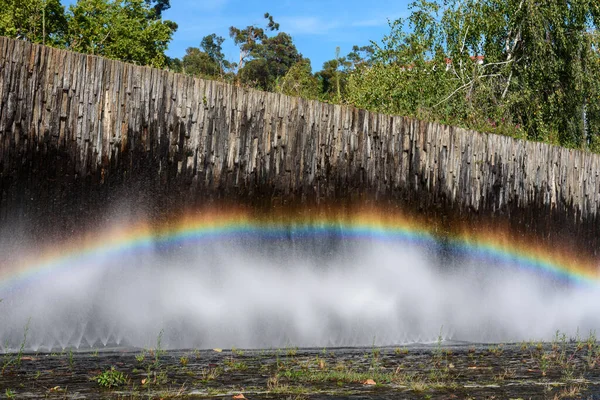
(558, 370)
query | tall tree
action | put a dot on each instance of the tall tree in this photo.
(213, 47)
(159, 6)
(209, 61)
(38, 21)
(264, 59)
(128, 30)
(250, 37)
(300, 81)
(334, 74)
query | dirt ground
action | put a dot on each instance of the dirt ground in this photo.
(558, 370)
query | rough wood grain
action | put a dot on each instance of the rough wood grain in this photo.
(70, 122)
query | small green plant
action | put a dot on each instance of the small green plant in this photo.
(292, 351)
(111, 378)
(400, 351)
(236, 365)
(23, 343)
(496, 350)
(8, 359)
(237, 352)
(9, 394)
(158, 350)
(544, 364)
(184, 361)
(210, 374)
(140, 357)
(71, 362)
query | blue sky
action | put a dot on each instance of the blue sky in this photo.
(317, 26)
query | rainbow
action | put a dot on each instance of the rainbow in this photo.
(206, 225)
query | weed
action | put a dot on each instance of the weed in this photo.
(140, 357)
(71, 361)
(539, 346)
(544, 364)
(273, 382)
(8, 360)
(236, 366)
(184, 361)
(9, 394)
(292, 351)
(496, 350)
(573, 391)
(210, 374)
(507, 374)
(111, 378)
(375, 353)
(418, 386)
(158, 349)
(237, 352)
(23, 343)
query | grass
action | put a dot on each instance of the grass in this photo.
(16, 360)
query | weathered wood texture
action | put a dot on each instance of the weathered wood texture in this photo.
(71, 120)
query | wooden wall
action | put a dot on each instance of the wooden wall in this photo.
(72, 122)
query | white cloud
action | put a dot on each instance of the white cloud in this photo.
(370, 22)
(204, 5)
(302, 25)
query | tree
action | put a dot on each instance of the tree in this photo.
(198, 63)
(159, 6)
(212, 46)
(37, 21)
(210, 61)
(127, 30)
(524, 65)
(299, 81)
(174, 64)
(250, 37)
(334, 74)
(264, 59)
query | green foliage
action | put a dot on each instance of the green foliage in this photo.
(263, 59)
(128, 30)
(209, 62)
(334, 75)
(71, 359)
(299, 81)
(159, 6)
(158, 351)
(37, 21)
(111, 378)
(521, 67)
